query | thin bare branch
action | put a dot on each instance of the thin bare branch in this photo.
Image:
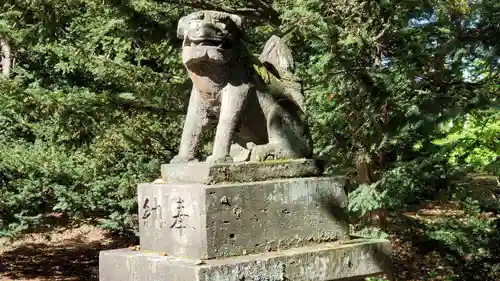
(6, 57)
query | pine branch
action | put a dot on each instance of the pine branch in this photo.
(259, 10)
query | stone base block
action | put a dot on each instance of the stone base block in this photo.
(205, 173)
(329, 261)
(199, 221)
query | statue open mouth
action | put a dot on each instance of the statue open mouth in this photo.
(202, 49)
(218, 43)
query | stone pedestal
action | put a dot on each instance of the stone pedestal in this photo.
(204, 223)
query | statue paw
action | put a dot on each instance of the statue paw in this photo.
(182, 159)
(261, 153)
(216, 159)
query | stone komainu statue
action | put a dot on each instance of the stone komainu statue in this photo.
(257, 101)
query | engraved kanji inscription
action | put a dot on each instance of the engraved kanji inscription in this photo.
(147, 209)
(178, 213)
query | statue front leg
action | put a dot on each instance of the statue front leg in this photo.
(233, 101)
(196, 119)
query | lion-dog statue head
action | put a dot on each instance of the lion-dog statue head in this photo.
(209, 36)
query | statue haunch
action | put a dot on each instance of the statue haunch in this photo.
(256, 101)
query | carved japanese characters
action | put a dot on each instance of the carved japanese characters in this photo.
(256, 102)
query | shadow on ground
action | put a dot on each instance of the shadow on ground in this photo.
(447, 248)
(72, 259)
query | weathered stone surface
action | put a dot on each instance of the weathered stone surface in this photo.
(205, 173)
(252, 100)
(327, 261)
(211, 221)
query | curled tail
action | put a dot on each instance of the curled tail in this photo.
(277, 54)
(278, 60)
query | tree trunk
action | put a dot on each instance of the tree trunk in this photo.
(366, 166)
(6, 56)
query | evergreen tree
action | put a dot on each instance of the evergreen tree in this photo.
(401, 96)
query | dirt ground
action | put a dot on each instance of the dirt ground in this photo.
(63, 254)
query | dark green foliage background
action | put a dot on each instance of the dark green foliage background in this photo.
(402, 97)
